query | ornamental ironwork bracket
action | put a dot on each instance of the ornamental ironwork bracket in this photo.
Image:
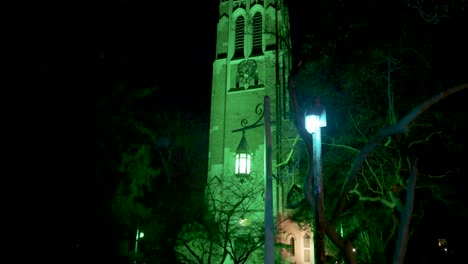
(244, 122)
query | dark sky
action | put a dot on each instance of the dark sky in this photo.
(168, 45)
(66, 50)
(61, 53)
(157, 43)
(173, 46)
(145, 43)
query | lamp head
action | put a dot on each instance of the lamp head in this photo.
(315, 118)
(242, 169)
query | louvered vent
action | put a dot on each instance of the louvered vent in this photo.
(257, 32)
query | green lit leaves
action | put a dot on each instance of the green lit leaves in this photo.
(136, 165)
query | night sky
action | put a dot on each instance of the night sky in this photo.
(59, 54)
(162, 44)
(67, 50)
(141, 43)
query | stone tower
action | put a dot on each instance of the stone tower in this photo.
(253, 60)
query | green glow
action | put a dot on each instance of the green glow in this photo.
(142, 234)
(243, 221)
(250, 64)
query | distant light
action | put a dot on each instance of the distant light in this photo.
(354, 250)
(243, 221)
(443, 243)
(142, 234)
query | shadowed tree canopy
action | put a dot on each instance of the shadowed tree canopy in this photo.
(370, 68)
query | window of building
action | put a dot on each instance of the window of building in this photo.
(293, 247)
(239, 38)
(257, 34)
(306, 248)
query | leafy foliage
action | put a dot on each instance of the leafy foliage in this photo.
(152, 175)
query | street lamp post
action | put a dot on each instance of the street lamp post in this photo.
(315, 118)
(269, 227)
(139, 234)
(242, 171)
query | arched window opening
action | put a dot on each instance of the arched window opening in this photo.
(293, 247)
(257, 34)
(239, 38)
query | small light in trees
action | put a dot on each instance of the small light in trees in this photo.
(243, 221)
(142, 234)
(442, 242)
(354, 250)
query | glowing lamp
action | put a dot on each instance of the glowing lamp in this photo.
(315, 118)
(242, 170)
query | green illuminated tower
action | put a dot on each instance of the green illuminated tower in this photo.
(253, 60)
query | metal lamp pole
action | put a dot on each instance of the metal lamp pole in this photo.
(139, 235)
(315, 119)
(318, 193)
(269, 227)
(265, 114)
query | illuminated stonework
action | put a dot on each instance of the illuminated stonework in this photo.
(249, 65)
(302, 251)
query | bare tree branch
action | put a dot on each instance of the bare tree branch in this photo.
(193, 253)
(372, 199)
(291, 152)
(399, 128)
(424, 140)
(355, 125)
(405, 218)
